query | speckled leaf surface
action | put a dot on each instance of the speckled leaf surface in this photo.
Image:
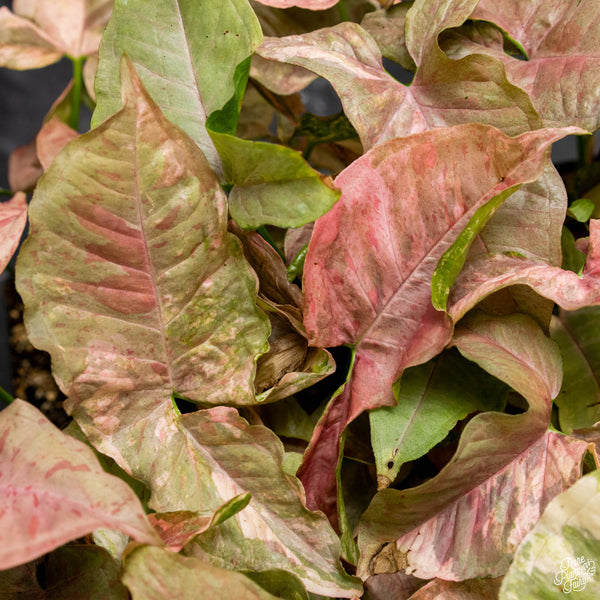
(562, 70)
(13, 217)
(371, 257)
(505, 470)
(491, 272)
(471, 589)
(177, 47)
(54, 490)
(576, 333)
(145, 255)
(272, 184)
(561, 555)
(444, 92)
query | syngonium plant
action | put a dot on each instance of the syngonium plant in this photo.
(307, 356)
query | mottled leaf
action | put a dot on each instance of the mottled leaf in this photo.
(54, 490)
(386, 27)
(13, 218)
(576, 333)
(488, 273)
(371, 257)
(504, 472)
(561, 555)
(431, 398)
(143, 208)
(152, 575)
(444, 92)
(272, 184)
(471, 589)
(178, 47)
(562, 70)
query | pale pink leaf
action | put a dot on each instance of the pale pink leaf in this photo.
(24, 168)
(54, 490)
(52, 138)
(444, 92)
(74, 26)
(23, 45)
(13, 218)
(488, 273)
(562, 72)
(370, 260)
(309, 4)
(505, 471)
(471, 589)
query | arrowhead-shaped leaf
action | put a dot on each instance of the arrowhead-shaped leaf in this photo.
(505, 471)
(13, 218)
(561, 555)
(371, 257)
(54, 490)
(272, 184)
(146, 254)
(177, 52)
(444, 92)
(576, 333)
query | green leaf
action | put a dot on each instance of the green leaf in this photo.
(453, 260)
(581, 210)
(272, 184)
(192, 56)
(230, 508)
(562, 553)
(578, 335)
(573, 259)
(431, 398)
(280, 583)
(156, 574)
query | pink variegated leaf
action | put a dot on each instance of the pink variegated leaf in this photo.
(13, 218)
(488, 273)
(24, 168)
(75, 26)
(52, 138)
(133, 283)
(471, 589)
(54, 490)
(562, 73)
(309, 4)
(370, 260)
(444, 92)
(505, 471)
(23, 45)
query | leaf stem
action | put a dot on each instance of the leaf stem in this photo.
(269, 238)
(5, 396)
(343, 11)
(4, 192)
(76, 92)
